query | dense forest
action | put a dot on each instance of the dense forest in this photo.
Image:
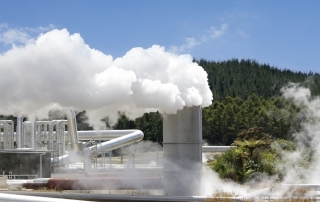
(242, 78)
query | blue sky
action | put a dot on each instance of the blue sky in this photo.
(284, 33)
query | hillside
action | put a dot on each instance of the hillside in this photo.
(241, 78)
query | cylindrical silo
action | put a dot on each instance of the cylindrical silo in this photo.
(182, 145)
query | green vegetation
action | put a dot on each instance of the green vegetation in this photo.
(222, 121)
(255, 153)
(242, 78)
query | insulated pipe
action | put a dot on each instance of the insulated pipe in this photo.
(111, 197)
(39, 135)
(208, 149)
(61, 135)
(113, 144)
(102, 134)
(8, 134)
(84, 135)
(24, 198)
(19, 130)
(51, 125)
(24, 140)
(72, 128)
(33, 133)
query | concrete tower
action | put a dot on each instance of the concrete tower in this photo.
(182, 145)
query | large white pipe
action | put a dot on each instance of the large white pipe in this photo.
(60, 128)
(42, 136)
(134, 136)
(8, 134)
(24, 198)
(51, 125)
(113, 197)
(72, 128)
(102, 134)
(19, 130)
(208, 149)
(83, 135)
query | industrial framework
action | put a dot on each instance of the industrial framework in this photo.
(38, 147)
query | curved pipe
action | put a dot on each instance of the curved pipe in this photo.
(113, 144)
(72, 128)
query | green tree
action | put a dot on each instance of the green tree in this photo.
(123, 122)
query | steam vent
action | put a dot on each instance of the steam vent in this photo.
(182, 149)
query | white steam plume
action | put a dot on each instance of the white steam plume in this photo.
(307, 139)
(60, 69)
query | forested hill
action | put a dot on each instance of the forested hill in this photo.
(241, 78)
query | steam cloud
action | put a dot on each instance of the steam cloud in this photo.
(308, 139)
(59, 69)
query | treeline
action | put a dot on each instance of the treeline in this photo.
(224, 120)
(242, 78)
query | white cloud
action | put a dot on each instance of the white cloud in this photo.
(216, 33)
(18, 35)
(13, 36)
(192, 42)
(189, 44)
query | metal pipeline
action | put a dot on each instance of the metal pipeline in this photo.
(39, 135)
(134, 136)
(206, 149)
(25, 198)
(111, 197)
(8, 134)
(33, 133)
(19, 130)
(61, 135)
(51, 125)
(72, 128)
(102, 134)
(98, 183)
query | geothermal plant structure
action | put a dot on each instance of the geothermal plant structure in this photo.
(182, 152)
(39, 147)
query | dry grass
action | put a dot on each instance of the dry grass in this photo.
(295, 199)
(298, 196)
(222, 196)
(46, 189)
(138, 193)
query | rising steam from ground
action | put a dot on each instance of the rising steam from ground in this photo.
(59, 69)
(308, 139)
(298, 169)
